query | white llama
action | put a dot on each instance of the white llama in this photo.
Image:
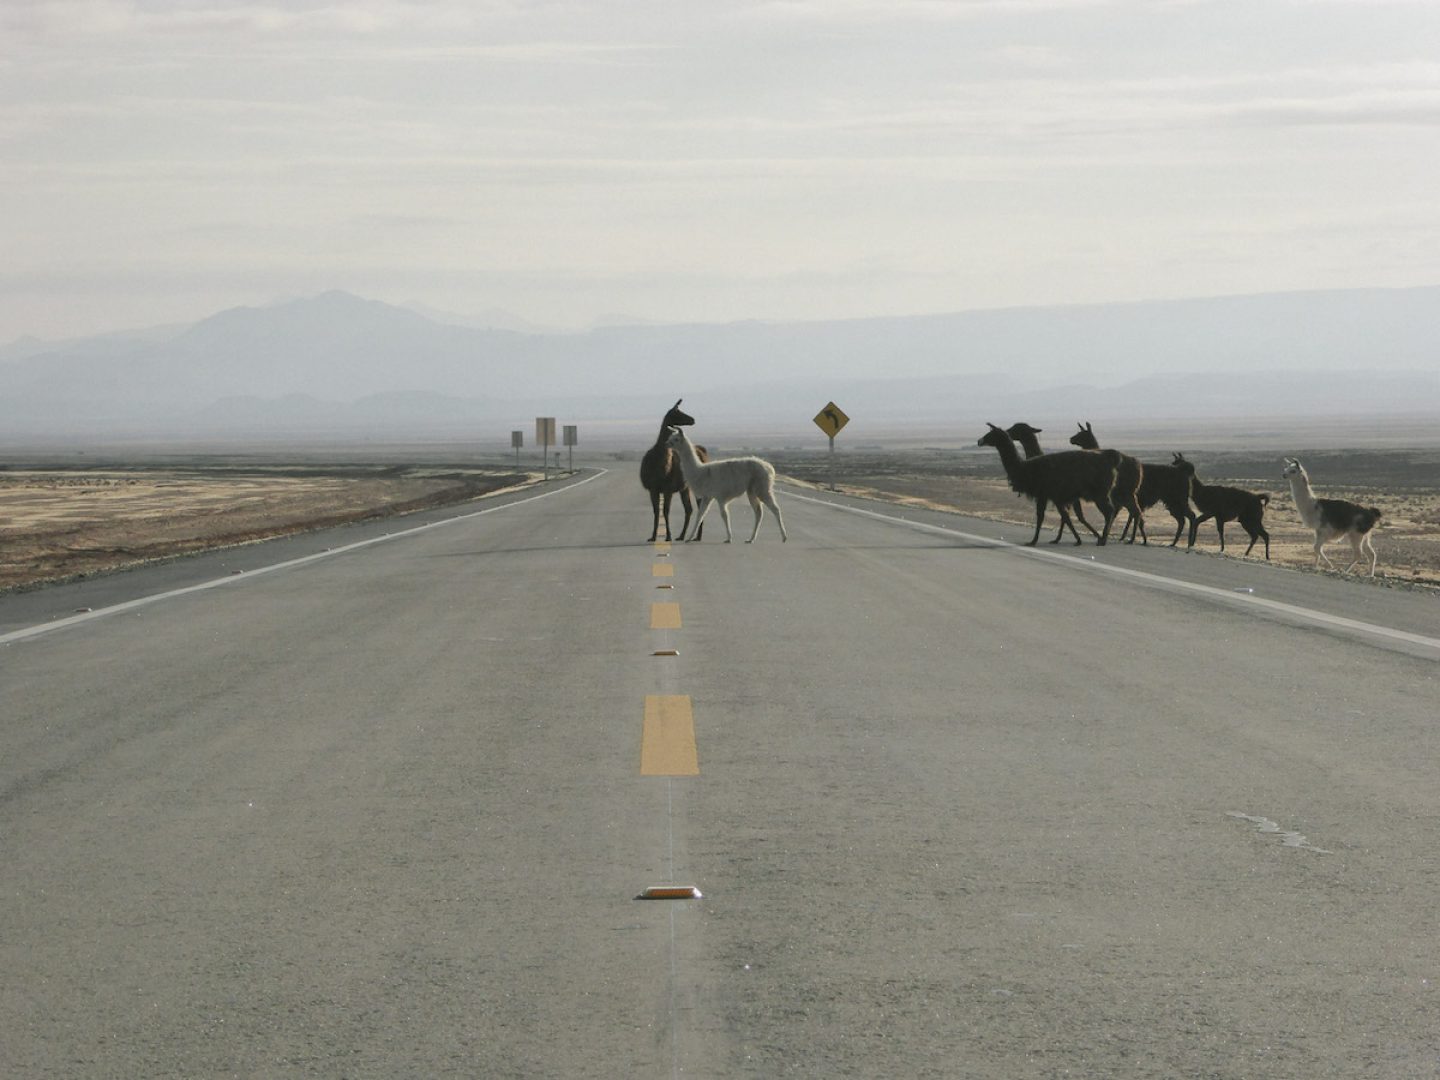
(1332, 518)
(725, 481)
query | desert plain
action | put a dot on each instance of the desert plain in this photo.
(61, 521)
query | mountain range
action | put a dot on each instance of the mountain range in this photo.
(341, 366)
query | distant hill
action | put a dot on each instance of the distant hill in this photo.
(341, 364)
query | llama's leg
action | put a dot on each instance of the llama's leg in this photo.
(1320, 555)
(1108, 509)
(685, 502)
(1064, 522)
(769, 498)
(1040, 505)
(655, 514)
(1080, 513)
(1182, 518)
(1355, 550)
(1195, 523)
(1374, 556)
(1257, 531)
(703, 508)
(725, 517)
(1137, 518)
(759, 515)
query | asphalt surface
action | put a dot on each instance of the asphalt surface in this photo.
(957, 808)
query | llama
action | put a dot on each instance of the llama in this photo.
(1226, 504)
(661, 475)
(1332, 518)
(1026, 436)
(1059, 478)
(726, 480)
(1156, 483)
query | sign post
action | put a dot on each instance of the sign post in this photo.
(572, 437)
(830, 420)
(545, 436)
(517, 440)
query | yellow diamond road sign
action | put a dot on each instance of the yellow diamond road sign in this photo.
(831, 420)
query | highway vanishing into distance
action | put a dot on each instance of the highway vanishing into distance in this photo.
(379, 802)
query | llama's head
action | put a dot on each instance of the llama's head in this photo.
(1085, 437)
(1184, 466)
(1293, 468)
(675, 418)
(1021, 429)
(994, 437)
(675, 437)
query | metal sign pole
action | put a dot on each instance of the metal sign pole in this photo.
(830, 420)
(545, 435)
(572, 436)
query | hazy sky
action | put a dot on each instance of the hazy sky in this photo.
(707, 161)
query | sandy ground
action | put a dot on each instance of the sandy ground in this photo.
(57, 525)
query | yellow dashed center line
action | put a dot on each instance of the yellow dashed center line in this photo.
(662, 570)
(667, 744)
(664, 616)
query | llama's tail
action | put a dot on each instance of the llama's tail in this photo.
(762, 480)
(1264, 498)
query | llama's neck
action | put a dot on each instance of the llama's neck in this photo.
(1304, 497)
(689, 461)
(1008, 457)
(1031, 445)
(665, 430)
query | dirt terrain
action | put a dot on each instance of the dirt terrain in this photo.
(58, 524)
(1404, 484)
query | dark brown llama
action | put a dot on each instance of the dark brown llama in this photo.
(1226, 504)
(661, 475)
(1029, 440)
(1129, 488)
(1059, 478)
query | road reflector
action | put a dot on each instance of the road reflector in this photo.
(666, 652)
(664, 586)
(671, 892)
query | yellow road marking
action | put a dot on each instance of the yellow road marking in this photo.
(662, 570)
(665, 616)
(667, 743)
(662, 546)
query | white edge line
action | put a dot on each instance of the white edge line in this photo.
(1158, 581)
(250, 575)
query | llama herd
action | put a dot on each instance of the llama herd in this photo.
(1108, 479)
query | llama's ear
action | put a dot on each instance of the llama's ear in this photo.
(677, 402)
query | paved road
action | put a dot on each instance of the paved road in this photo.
(957, 809)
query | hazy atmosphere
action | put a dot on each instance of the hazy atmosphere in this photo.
(561, 165)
